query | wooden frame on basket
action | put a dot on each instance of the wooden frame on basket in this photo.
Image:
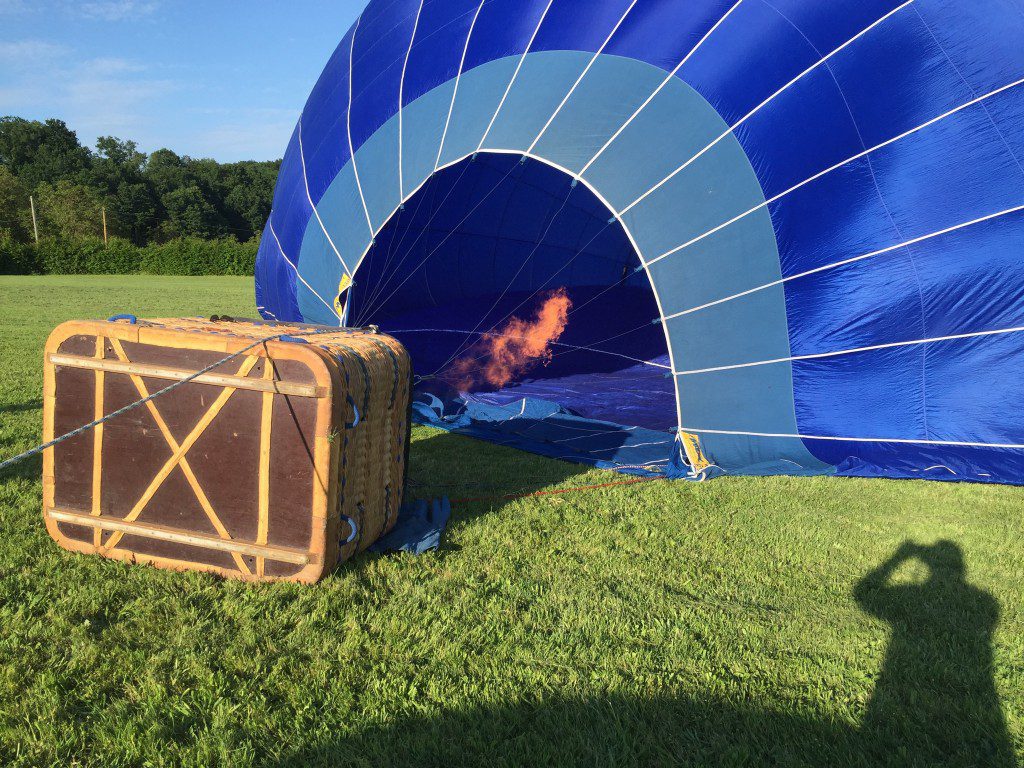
(321, 553)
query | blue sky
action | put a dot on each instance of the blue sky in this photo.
(220, 78)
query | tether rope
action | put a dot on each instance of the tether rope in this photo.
(132, 406)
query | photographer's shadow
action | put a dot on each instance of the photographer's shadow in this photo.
(935, 699)
(934, 704)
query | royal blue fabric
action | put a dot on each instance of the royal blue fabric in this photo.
(823, 195)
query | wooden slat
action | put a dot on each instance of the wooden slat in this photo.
(177, 374)
(266, 420)
(97, 441)
(164, 533)
(186, 468)
(189, 441)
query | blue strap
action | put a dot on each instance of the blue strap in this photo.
(132, 319)
(355, 410)
(354, 528)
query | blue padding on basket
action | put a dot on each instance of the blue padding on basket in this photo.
(418, 529)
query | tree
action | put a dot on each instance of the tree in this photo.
(135, 209)
(13, 206)
(251, 194)
(189, 213)
(69, 210)
(42, 152)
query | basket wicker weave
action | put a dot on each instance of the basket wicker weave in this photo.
(276, 465)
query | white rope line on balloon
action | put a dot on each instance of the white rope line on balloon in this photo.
(401, 97)
(854, 351)
(735, 126)
(565, 265)
(378, 289)
(458, 78)
(888, 213)
(270, 224)
(838, 165)
(448, 236)
(426, 227)
(348, 125)
(384, 283)
(899, 440)
(530, 255)
(515, 75)
(844, 262)
(593, 348)
(394, 247)
(305, 181)
(370, 306)
(570, 347)
(593, 345)
(583, 74)
(608, 288)
(668, 79)
(969, 87)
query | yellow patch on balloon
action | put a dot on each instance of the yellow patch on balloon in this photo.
(344, 285)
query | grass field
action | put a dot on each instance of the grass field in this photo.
(742, 621)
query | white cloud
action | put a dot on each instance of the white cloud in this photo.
(250, 134)
(117, 10)
(13, 7)
(96, 96)
(30, 53)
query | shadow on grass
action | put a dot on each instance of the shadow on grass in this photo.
(935, 703)
(460, 467)
(29, 405)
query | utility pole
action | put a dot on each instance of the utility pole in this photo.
(35, 225)
(104, 209)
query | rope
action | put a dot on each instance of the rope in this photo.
(121, 411)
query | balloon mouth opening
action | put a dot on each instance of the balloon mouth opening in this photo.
(507, 280)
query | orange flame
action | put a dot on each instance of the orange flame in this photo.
(503, 355)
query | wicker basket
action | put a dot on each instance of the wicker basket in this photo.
(278, 464)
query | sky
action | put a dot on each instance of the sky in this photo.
(208, 78)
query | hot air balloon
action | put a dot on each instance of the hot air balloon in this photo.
(679, 236)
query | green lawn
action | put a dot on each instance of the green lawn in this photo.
(730, 622)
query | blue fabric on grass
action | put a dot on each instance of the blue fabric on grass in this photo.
(418, 529)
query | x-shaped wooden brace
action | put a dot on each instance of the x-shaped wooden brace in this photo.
(178, 451)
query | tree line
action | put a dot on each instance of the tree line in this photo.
(148, 200)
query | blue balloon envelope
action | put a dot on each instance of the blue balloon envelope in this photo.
(751, 236)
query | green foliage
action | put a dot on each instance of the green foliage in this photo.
(17, 258)
(88, 256)
(196, 256)
(149, 199)
(189, 213)
(660, 624)
(69, 211)
(42, 152)
(13, 206)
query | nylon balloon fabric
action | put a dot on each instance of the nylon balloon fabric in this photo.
(682, 237)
